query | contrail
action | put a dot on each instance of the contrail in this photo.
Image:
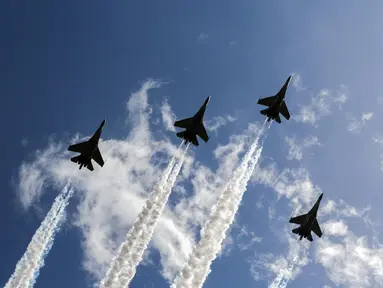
(28, 267)
(281, 281)
(194, 273)
(130, 253)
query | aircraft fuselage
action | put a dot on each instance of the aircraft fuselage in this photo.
(273, 111)
(191, 132)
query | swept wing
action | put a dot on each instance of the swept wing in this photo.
(299, 219)
(284, 111)
(184, 123)
(202, 133)
(268, 101)
(316, 229)
(79, 147)
(97, 157)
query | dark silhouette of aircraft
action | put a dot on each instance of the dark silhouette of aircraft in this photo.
(308, 222)
(276, 104)
(194, 126)
(89, 150)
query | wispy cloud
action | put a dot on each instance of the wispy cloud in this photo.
(352, 261)
(379, 140)
(24, 142)
(132, 167)
(348, 259)
(356, 125)
(246, 239)
(202, 37)
(297, 82)
(168, 117)
(296, 149)
(217, 122)
(321, 105)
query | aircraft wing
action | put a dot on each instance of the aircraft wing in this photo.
(268, 101)
(184, 123)
(284, 111)
(79, 147)
(202, 133)
(195, 141)
(90, 166)
(97, 157)
(316, 229)
(299, 219)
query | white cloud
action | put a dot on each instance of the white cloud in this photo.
(348, 260)
(297, 82)
(217, 122)
(356, 125)
(233, 44)
(111, 197)
(246, 239)
(296, 150)
(24, 142)
(321, 105)
(336, 228)
(351, 262)
(379, 140)
(202, 37)
(168, 117)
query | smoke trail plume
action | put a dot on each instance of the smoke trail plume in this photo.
(194, 273)
(281, 281)
(28, 267)
(130, 253)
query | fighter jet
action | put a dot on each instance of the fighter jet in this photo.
(89, 150)
(276, 104)
(194, 126)
(308, 222)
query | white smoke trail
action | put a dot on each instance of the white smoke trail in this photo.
(194, 273)
(123, 266)
(28, 267)
(281, 281)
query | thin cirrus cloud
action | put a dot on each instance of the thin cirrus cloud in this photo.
(133, 166)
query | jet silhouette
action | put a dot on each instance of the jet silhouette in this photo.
(308, 222)
(89, 150)
(194, 126)
(276, 104)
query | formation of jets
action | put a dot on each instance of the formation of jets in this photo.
(194, 126)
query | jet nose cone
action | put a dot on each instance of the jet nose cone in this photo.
(103, 122)
(320, 197)
(207, 100)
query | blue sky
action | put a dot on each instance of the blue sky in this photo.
(65, 67)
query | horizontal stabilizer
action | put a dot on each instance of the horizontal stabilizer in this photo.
(75, 159)
(90, 166)
(264, 112)
(296, 230)
(181, 134)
